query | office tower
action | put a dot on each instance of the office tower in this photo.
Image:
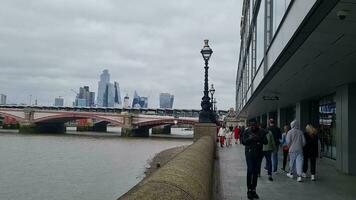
(117, 97)
(166, 100)
(85, 98)
(59, 101)
(136, 101)
(108, 97)
(139, 102)
(2, 99)
(102, 85)
(91, 99)
(126, 102)
(80, 102)
(108, 93)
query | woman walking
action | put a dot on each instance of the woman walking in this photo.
(310, 150)
(284, 146)
(236, 134)
(295, 142)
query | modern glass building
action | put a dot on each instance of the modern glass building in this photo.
(59, 101)
(104, 80)
(108, 93)
(297, 61)
(166, 100)
(139, 102)
(2, 99)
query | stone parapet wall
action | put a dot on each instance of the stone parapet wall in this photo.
(188, 176)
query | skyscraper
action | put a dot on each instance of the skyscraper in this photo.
(108, 97)
(166, 100)
(117, 97)
(59, 101)
(126, 101)
(139, 102)
(84, 98)
(108, 93)
(104, 80)
(2, 99)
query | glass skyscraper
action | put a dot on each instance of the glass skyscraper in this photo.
(139, 102)
(166, 100)
(108, 93)
(102, 85)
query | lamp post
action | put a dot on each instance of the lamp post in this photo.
(206, 115)
(212, 91)
(214, 104)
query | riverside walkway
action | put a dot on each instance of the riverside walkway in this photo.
(231, 169)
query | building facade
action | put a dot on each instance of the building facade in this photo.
(108, 93)
(85, 98)
(59, 101)
(2, 99)
(166, 100)
(297, 61)
(126, 102)
(139, 102)
(102, 85)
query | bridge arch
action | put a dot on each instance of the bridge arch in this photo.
(66, 117)
(18, 119)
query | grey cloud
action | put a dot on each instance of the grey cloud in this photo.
(49, 47)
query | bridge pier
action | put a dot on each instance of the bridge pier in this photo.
(162, 130)
(135, 132)
(42, 128)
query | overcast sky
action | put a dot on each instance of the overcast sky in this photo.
(48, 47)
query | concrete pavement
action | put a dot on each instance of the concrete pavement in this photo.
(231, 179)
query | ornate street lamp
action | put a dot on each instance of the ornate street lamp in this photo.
(206, 115)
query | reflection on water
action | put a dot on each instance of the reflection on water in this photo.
(67, 167)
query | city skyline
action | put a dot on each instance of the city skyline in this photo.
(65, 47)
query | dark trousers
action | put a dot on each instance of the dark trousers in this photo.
(285, 158)
(253, 166)
(312, 164)
(267, 155)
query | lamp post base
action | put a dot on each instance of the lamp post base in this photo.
(207, 117)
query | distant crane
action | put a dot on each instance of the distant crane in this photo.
(74, 91)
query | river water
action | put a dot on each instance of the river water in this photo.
(67, 167)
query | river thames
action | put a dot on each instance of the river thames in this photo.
(69, 166)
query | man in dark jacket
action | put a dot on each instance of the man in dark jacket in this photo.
(277, 135)
(253, 139)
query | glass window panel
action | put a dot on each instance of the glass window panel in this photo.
(260, 33)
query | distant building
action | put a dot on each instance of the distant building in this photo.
(139, 102)
(108, 93)
(2, 99)
(126, 101)
(166, 100)
(80, 102)
(117, 95)
(104, 80)
(85, 98)
(59, 102)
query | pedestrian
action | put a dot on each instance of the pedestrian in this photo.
(253, 139)
(296, 142)
(266, 153)
(277, 135)
(221, 134)
(311, 150)
(236, 134)
(229, 136)
(284, 146)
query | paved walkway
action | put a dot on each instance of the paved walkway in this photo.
(330, 184)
